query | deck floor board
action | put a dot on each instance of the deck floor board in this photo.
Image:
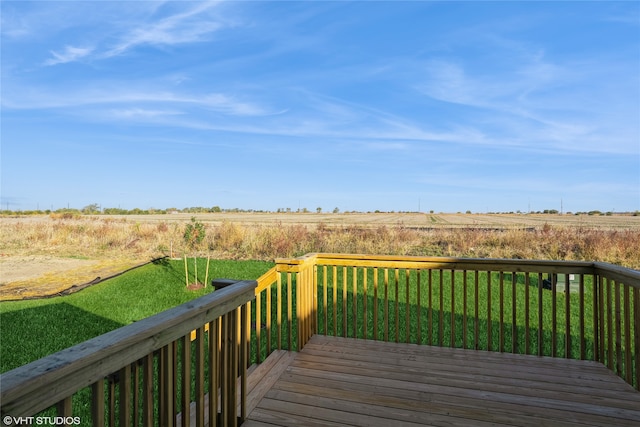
(342, 381)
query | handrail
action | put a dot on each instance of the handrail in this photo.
(399, 261)
(266, 280)
(28, 389)
(618, 273)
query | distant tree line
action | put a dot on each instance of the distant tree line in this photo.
(96, 209)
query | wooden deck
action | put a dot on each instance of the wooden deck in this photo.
(338, 381)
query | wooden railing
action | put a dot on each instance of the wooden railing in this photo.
(191, 361)
(517, 306)
(142, 374)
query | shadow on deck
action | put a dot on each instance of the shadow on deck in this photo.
(342, 381)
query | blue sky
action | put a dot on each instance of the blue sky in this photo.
(444, 106)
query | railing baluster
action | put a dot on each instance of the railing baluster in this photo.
(200, 363)
(185, 356)
(441, 313)
(124, 387)
(289, 312)
(279, 305)
(225, 374)
(627, 336)
(147, 390)
(554, 315)
(313, 301)
(430, 313)
(601, 318)
(527, 314)
(355, 301)
(64, 408)
(375, 303)
(259, 328)
(407, 312)
(324, 298)
(514, 325)
(214, 369)
(501, 325)
(386, 304)
(540, 330)
(303, 306)
(236, 361)
(300, 311)
(476, 326)
(618, 328)
(636, 328)
(514, 319)
(335, 301)
(365, 318)
(97, 404)
(344, 302)
(596, 317)
(174, 347)
(419, 306)
(581, 316)
(244, 336)
(397, 304)
(136, 392)
(269, 290)
(452, 337)
(167, 385)
(311, 313)
(567, 314)
(489, 324)
(609, 325)
(464, 308)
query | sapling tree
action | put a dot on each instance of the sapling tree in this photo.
(194, 234)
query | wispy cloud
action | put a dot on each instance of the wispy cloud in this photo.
(134, 113)
(538, 103)
(126, 95)
(191, 25)
(69, 54)
(159, 24)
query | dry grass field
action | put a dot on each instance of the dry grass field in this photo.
(408, 220)
(46, 254)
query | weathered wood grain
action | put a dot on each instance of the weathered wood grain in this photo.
(345, 381)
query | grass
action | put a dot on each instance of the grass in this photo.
(36, 328)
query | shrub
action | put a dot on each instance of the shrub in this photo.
(194, 233)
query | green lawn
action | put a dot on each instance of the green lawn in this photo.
(36, 328)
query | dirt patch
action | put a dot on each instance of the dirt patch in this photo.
(20, 268)
(33, 276)
(195, 286)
